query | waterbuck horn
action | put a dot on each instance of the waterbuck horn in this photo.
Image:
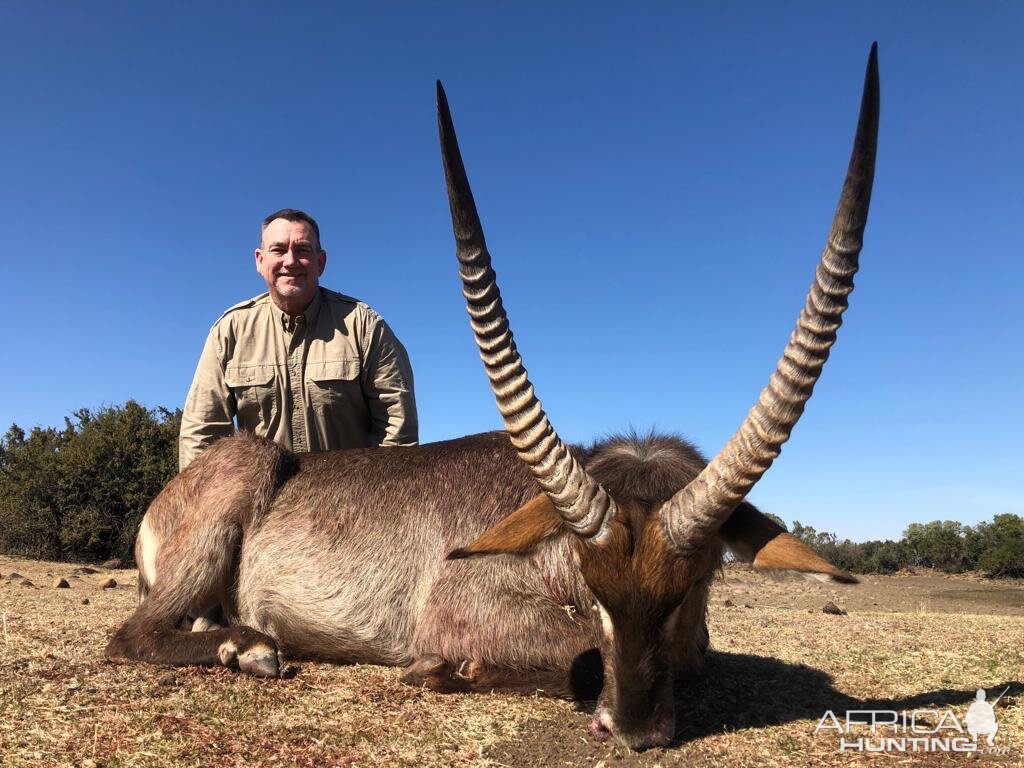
(582, 503)
(698, 510)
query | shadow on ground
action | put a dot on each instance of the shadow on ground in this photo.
(736, 691)
(744, 691)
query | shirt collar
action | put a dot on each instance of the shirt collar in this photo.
(307, 318)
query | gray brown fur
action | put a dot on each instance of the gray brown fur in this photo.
(345, 558)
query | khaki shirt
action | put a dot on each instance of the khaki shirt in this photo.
(336, 377)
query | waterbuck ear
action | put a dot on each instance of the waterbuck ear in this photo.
(518, 533)
(760, 540)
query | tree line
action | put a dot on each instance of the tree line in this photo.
(995, 547)
(78, 493)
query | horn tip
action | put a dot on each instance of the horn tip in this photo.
(442, 106)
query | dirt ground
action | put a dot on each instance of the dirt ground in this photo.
(778, 663)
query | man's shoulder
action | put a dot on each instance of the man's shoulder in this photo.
(333, 297)
(241, 312)
(347, 304)
(254, 303)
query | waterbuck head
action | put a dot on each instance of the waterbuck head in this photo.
(647, 547)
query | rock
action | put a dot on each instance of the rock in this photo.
(61, 584)
(108, 584)
(26, 583)
(14, 576)
(728, 603)
(747, 605)
(85, 569)
(85, 601)
(111, 565)
(833, 609)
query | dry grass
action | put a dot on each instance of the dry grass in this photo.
(908, 642)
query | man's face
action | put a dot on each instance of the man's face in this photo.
(290, 260)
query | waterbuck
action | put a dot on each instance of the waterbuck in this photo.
(503, 561)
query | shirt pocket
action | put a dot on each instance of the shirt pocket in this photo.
(254, 388)
(331, 382)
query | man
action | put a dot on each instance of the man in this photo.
(307, 367)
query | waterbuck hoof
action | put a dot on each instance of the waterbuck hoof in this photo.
(261, 661)
(423, 668)
(253, 653)
(442, 676)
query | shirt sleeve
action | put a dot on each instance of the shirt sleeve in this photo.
(388, 387)
(210, 408)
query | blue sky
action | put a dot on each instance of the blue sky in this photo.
(656, 181)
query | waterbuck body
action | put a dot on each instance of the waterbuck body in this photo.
(503, 561)
(347, 556)
(348, 559)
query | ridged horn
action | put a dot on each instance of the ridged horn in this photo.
(698, 510)
(583, 504)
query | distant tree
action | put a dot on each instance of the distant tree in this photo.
(1003, 553)
(823, 542)
(30, 512)
(882, 557)
(941, 544)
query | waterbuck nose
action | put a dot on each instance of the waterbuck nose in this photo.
(599, 729)
(656, 733)
(659, 735)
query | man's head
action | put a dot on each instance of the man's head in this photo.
(290, 259)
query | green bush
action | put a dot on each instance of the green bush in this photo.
(79, 493)
(30, 513)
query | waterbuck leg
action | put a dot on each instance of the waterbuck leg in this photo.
(144, 637)
(187, 550)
